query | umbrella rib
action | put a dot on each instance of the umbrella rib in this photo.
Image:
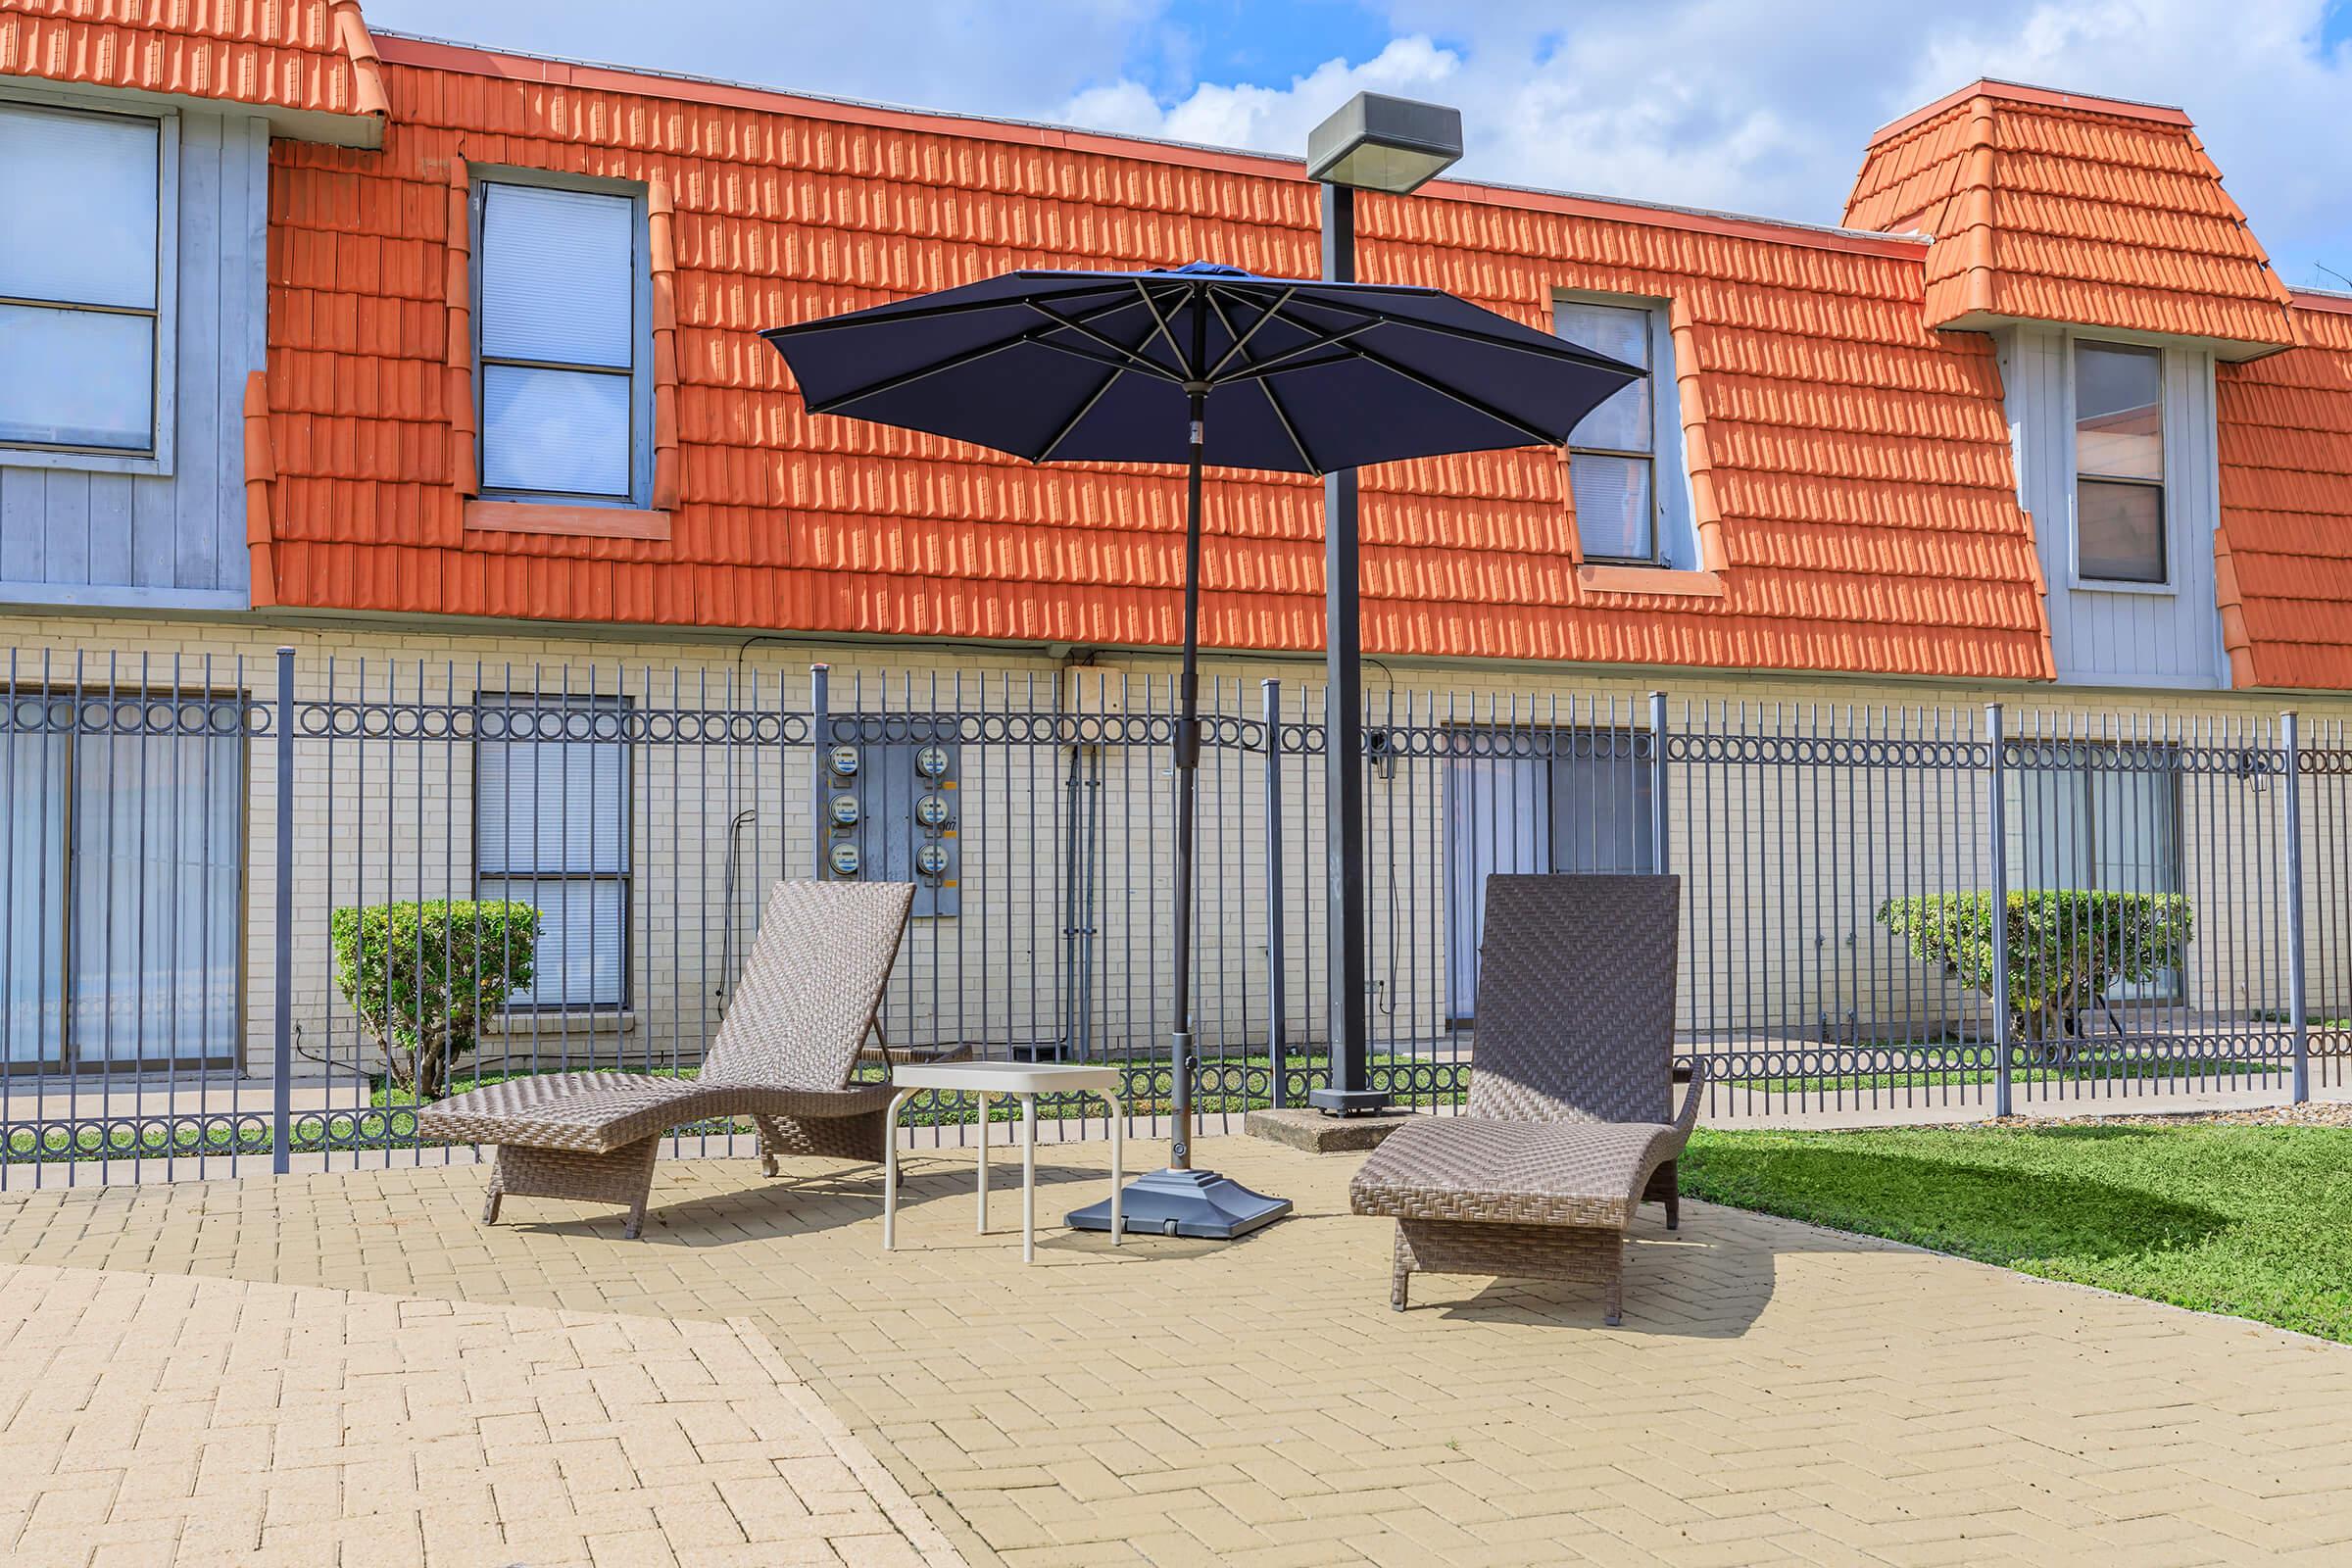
(1138, 361)
(1161, 321)
(1549, 348)
(1282, 417)
(1241, 340)
(1475, 404)
(1534, 433)
(1265, 384)
(955, 362)
(1084, 409)
(1282, 361)
(891, 383)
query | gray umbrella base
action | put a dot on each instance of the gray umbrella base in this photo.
(1184, 1202)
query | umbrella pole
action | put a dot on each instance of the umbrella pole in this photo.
(1188, 762)
(1181, 1201)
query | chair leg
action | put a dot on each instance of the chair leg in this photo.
(636, 1226)
(1401, 1272)
(1616, 1288)
(490, 1207)
(1674, 1210)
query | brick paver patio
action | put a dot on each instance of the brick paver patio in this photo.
(157, 1419)
(1776, 1393)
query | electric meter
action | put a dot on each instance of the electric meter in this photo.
(844, 860)
(932, 860)
(844, 810)
(843, 760)
(932, 811)
(932, 761)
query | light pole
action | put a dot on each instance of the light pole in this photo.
(1395, 145)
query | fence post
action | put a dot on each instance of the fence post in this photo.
(2297, 1007)
(1277, 993)
(1996, 813)
(281, 1065)
(1657, 783)
(820, 744)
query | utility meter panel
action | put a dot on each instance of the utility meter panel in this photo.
(892, 811)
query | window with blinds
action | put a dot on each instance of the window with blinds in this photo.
(82, 284)
(122, 860)
(552, 830)
(562, 358)
(2119, 463)
(1612, 455)
(1582, 804)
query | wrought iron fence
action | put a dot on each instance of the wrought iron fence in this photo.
(185, 988)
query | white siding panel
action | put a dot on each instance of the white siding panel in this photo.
(69, 536)
(2103, 636)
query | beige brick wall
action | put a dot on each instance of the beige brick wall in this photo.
(1784, 864)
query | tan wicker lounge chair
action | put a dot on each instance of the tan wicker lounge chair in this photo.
(785, 1046)
(1565, 1136)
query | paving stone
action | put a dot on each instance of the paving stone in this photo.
(1776, 1393)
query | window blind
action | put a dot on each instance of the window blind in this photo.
(81, 194)
(78, 283)
(552, 830)
(559, 341)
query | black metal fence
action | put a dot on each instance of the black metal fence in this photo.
(185, 990)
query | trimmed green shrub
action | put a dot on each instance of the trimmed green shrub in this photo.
(2066, 947)
(423, 976)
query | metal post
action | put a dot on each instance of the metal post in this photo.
(1277, 990)
(281, 1065)
(1996, 814)
(1657, 783)
(820, 744)
(1343, 742)
(1188, 763)
(2297, 1010)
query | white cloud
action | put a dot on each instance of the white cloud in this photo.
(1766, 108)
(1757, 106)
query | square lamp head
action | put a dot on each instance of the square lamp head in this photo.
(1376, 142)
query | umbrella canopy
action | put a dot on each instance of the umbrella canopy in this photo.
(1298, 376)
(1201, 365)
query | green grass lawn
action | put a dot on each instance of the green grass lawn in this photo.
(2255, 1222)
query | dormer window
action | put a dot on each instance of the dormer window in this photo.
(564, 352)
(1611, 455)
(2119, 463)
(1625, 471)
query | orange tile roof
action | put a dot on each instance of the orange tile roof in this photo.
(311, 61)
(2285, 545)
(1851, 469)
(2059, 208)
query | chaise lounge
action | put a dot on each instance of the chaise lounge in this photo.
(1564, 1139)
(786, 1044)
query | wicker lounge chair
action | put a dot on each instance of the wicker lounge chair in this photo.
(785, 1046)
(1565, 1136)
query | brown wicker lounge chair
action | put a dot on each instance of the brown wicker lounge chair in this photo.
(1565, 1136)
(785, 1046)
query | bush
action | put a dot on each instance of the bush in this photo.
(423, 976)
(2066, 947)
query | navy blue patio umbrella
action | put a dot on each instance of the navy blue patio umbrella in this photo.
(1201, 364)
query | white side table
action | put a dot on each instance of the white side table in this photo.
(983, 1079)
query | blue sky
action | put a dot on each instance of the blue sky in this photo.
(1737, 103)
